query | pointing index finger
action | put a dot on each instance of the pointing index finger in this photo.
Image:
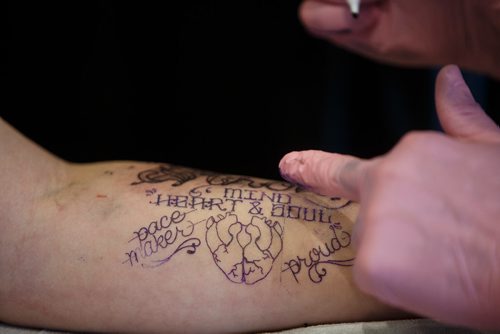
(325, 173)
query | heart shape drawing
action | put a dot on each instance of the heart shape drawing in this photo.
(244, 251)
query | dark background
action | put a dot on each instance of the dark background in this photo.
(228, 86)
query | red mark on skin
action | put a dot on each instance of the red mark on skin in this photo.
(101, 196)
(59, 206)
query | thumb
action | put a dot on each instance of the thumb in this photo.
(460, 115)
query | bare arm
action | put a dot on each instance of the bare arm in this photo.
(130, 246)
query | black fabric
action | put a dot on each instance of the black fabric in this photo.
(223, 85)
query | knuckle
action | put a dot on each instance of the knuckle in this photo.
(384, 170)
(406, 155)
(419, 140)
(414, 138)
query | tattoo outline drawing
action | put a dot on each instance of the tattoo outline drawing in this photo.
(160, 235)
(244, 251)
(165, 172)
(320, 256)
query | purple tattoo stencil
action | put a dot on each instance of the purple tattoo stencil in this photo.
(321, 256)
(168, 234)
(163, 173)
(244, 251)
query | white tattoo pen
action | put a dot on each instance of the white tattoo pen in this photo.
(354, 6)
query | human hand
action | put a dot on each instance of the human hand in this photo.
(428, 230)
(416, 33)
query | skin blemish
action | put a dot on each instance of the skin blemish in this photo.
(101, 196)
(60, 207)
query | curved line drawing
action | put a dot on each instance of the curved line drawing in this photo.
(163, 173)
(244, 251)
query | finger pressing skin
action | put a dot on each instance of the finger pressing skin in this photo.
(325, 173)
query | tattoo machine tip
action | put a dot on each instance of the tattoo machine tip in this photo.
(354, 7)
